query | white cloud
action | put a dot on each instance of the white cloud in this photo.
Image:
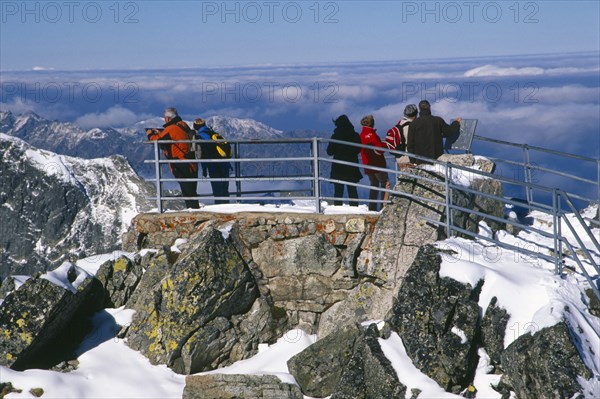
(492, 70)
(112, 117)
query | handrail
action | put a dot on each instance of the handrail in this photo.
(532, 147)
(529, 167)
(311, 173)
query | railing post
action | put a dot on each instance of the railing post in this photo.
(557, 231)
(598, 188)
(527, 176)
(158, 174)
(237, 170)
(316, 186)
(448, 201)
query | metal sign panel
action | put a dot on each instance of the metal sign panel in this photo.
(464, 138)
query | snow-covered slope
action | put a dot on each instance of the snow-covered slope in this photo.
(54, 207)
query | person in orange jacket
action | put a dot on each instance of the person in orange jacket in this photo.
(176, 129)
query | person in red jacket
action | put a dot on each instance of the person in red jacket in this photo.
(371, 157)
(177, 129)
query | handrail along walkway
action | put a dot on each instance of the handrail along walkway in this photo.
(314, 163)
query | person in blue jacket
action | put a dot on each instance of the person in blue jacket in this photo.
(214, 170)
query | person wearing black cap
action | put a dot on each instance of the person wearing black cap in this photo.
(425, 134)
(396, 138)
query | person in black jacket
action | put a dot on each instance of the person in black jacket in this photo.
(344, 131)
(425, 134)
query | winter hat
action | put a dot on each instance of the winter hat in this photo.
(342, 120)
(410, 110)
(198, 123)
(368, 121)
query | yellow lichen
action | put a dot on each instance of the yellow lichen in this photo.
(172, 345)
(120, 265)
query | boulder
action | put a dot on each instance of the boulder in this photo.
(369, 374)
(41, 321)
(544, 365)
(438, 321)
(205, 286)
(119, 278)
(493, 327)
(318, 368)
(234, 386)
(347, 364)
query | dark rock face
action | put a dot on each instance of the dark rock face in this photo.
(231, 386)
(319, 367)
(207, 285)
(119, 278)
(544, 365)
(369, 374)
(35, 315)
(37, 206)
(437, 319)
(493, 327)
(347, 364)
(54, 208)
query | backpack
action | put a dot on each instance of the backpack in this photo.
(391, 139)
(215, 150)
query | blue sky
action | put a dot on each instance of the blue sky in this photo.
(173, 34)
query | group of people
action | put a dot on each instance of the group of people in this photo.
(176, 129)
(418, 132)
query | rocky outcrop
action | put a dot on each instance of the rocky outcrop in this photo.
(369, 374)
(318, 368)
(493, 327)
(179, 318)
(40, 320)
(441, 327)
(348, 364)
(544, 365)
(232, 386)
(119, 279)
(407, 224)
(438, 319)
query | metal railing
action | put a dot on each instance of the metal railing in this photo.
(313, 173)
(528, 167)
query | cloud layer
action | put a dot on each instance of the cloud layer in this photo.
(548, 100)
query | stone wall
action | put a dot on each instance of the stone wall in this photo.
(303, 263)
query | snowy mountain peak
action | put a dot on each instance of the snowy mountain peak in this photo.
(242, 129)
